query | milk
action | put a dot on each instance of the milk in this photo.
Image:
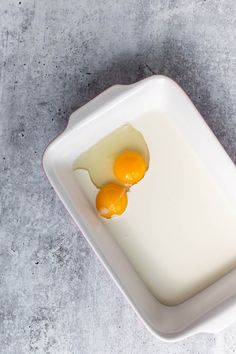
(179, 230)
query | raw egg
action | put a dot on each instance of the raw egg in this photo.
(121, 157)
(114, 164)
(129, 167)
(111, 200)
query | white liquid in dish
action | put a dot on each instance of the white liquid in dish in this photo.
(179, 230)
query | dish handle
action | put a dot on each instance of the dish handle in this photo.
(95, 104)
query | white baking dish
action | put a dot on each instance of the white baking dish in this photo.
(211, 309)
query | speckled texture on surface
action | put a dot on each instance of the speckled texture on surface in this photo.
(55, 297)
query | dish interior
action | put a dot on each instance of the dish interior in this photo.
(179, 228)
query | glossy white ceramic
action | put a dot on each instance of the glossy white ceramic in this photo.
(211, 309)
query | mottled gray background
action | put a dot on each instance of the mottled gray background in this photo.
(55, 55)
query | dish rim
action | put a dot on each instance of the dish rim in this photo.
(200, 326)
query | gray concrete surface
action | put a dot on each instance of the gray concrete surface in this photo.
(55, 55)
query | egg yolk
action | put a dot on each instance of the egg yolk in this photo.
(111, 200)
(130, 167)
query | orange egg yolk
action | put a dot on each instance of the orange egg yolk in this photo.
(111, 200)
(129, 167)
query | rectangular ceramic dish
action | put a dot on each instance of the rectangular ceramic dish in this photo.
(211, 309)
